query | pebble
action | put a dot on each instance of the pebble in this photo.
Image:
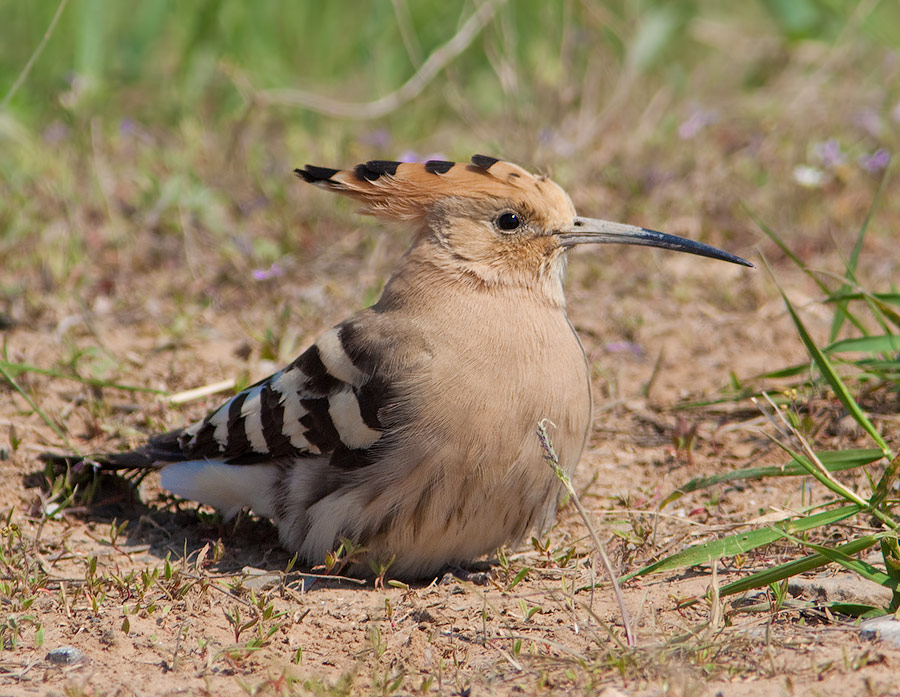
(259, 579)
(65, 656)
(840, 588)
(881, 628)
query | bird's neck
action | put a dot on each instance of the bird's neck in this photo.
(428, 275)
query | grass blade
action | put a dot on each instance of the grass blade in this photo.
(833, 460)
(883, 343)
(743, 542)
(857, 566)
(803, 267)
(885, 484)
(16, 368)
(40, 412)
(798, 566)
(886, 298)
(832, 377)
(853, 261)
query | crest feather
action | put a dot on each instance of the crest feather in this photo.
(407, 190)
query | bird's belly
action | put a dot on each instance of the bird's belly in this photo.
(478, 476)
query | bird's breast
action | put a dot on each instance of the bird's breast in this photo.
(498, 370)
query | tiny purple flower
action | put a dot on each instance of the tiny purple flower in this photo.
(273, 271)
(698, 120)
(829, 153)
(56, 133)
(875, 162)
(379, 138)
(624, 347)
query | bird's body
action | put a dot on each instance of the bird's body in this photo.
(411, 428)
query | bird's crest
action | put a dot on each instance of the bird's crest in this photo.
(407, 190)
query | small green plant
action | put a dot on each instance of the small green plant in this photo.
(876, 372)
(21, 580)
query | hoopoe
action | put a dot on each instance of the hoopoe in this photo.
(411, 427)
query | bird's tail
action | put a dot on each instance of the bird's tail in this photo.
(156, 453)
(226, 487)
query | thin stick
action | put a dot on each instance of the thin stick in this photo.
(202, 391)
(435, 63)
(553, 460)
(34, 56)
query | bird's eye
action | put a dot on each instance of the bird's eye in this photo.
(508, 222)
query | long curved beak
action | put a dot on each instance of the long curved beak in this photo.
(594, 231)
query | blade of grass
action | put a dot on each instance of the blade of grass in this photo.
(789, 372)
(853, 261)
(743, 542)
(857, 566)
(798, 566)
(815, 467)
(878, 303)
(883, 343)
(552, 459)
(37, 410)
(886, 298)
(812, 464)
(829, 373)
(803, 267)
(93, 382)
(833, 461)
(885, 484)
(34, 56)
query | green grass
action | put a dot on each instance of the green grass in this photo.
(874, 369)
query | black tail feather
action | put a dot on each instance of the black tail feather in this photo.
(158, 451)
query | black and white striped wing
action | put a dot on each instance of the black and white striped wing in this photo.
(320, 404)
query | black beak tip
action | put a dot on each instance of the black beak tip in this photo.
(703, 249)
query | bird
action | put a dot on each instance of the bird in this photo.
(410, 429)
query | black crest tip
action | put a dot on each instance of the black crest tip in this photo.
(383, 166)
(371, 170)
(312, 174)
(484, 161)
(438, 166)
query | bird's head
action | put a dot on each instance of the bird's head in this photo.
(490, 221)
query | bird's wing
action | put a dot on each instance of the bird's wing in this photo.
(330, 401)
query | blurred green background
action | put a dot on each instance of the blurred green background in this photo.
(673, 114)
(160, 62)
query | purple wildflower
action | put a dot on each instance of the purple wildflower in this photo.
(870, 121)
(273, 271)
(56, 133)
(379, 138)
(624, 347)
(875, 162)
(829, 153)
(696, 122)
